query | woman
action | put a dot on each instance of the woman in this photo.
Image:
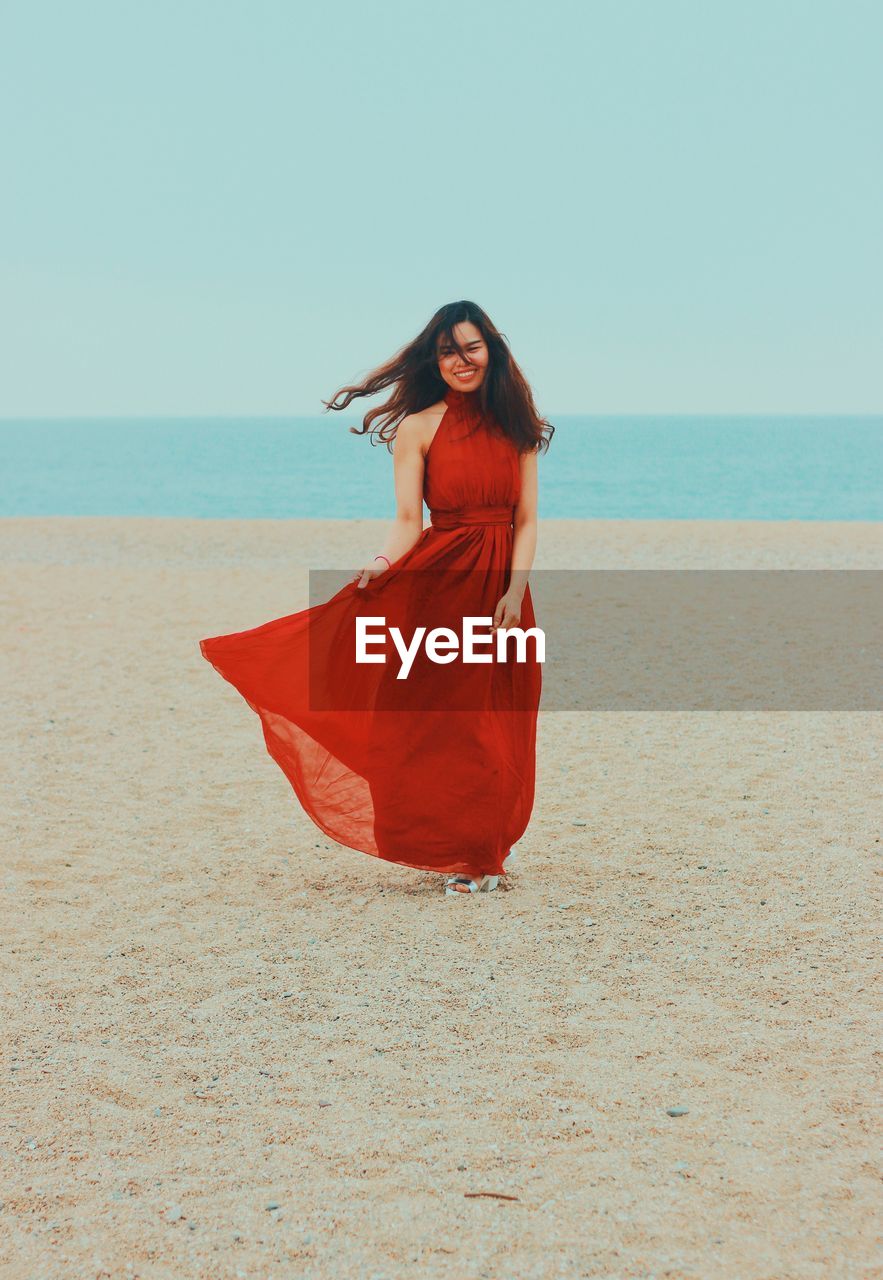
(435, 770)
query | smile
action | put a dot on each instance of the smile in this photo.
(464, 377)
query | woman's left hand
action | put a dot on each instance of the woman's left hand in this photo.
(508, 612)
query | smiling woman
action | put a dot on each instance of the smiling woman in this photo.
(435, 772)
(474, 357)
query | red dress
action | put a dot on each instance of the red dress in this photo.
(435, 771)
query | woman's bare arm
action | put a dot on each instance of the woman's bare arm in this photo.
(524, 543)
(407, 527)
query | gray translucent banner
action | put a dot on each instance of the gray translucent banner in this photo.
(623, 640)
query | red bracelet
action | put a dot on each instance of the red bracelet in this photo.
(381, 556)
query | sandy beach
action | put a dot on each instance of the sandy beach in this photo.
(234, 1048)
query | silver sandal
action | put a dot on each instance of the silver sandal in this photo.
(484, 885)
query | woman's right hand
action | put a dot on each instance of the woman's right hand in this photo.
(373, 570)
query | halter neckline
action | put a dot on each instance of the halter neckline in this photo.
(454, 396)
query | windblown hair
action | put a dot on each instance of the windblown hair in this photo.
(413, 372)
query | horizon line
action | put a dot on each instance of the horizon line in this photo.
(570, 413)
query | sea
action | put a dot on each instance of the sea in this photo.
(646, 467)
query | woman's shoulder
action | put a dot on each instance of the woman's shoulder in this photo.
(420, 427)
(431, 413)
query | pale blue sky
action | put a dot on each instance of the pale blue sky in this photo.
(234, 208)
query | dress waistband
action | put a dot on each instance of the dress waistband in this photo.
(455, 516)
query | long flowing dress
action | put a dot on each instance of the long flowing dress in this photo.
(437, 770)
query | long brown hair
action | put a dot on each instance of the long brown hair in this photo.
(413, 372)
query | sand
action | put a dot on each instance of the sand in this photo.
(235, 1049)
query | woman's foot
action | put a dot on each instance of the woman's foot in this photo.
(465, 884)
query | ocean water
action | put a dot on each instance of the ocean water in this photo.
(621, 467)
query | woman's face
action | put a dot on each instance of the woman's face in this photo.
(465, 374)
